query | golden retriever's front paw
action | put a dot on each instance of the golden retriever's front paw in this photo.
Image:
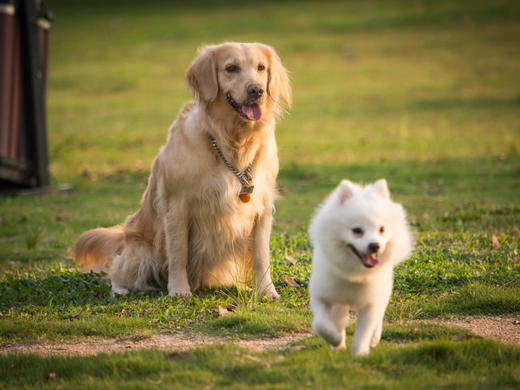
(179, 292)
(273, 295)
(118, 289)
(178, 287)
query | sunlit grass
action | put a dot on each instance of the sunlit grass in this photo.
(371, 81)
(424, 94)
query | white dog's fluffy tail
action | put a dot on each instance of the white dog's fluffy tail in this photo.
(96, 248)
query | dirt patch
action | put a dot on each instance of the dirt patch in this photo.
(167, 342)
(503, 329)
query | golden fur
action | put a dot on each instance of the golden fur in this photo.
(192, 230)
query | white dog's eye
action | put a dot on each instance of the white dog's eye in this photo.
(382, 229)
(357, 231)
(261, 68)
(231, 68)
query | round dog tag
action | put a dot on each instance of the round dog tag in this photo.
(245, 194)
(245, 198)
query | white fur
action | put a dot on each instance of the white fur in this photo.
(339, 279)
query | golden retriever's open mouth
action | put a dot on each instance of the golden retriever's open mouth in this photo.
(252, 112)
(368, 260)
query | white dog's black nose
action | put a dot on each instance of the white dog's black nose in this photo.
(255, 90)
(373, 247)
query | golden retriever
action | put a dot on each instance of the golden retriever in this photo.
(200, 224)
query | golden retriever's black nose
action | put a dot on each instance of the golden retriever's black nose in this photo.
(373, 247)
(255, 90)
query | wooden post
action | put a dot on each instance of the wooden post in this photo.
(34, 104)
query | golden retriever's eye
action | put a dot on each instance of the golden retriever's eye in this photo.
(261, 68)
(357, 231)
(231, 69)
(382, 229)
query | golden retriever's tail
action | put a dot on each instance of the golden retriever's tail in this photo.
(96, 248)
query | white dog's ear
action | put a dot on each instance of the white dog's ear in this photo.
(201, 76)
(381, 188)
(278, 85)
(346, 191)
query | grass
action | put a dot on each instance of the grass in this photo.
(454, 365)
(372, 81)
(424, 94)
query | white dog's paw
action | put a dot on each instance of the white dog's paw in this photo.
(342, 344)
(375, 340)
(329, 334)
(360, 351)
(376, 337)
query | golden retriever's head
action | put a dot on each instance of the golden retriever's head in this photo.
(246, 79)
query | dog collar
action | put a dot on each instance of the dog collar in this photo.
(244, 178)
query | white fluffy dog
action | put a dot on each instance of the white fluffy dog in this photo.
(358, 235)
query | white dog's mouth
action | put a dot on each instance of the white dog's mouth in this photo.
(251, 112)
(368, 260)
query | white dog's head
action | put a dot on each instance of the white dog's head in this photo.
(362, 223)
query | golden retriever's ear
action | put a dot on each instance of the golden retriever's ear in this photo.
(201, 76)
(278, 85)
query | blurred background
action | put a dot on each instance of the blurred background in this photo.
(425, 93)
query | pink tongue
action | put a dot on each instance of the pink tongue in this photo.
(369, 260)
(253, 113)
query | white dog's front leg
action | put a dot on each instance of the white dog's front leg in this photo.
(323, 324)
(176, 231)
(367, 322)
(376, 337)
(340, 316)
(261, 263)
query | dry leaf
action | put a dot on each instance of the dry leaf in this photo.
(296, 348)
(223, 311)
(413, 331)
(84, 172)
(466, 336)
(178, 355)
(495, 242)
(51, 377)
(290, 281)
(232, 307)
(291, 259)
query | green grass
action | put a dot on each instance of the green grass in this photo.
(424, 94)
(372, 80)
(475, 364)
